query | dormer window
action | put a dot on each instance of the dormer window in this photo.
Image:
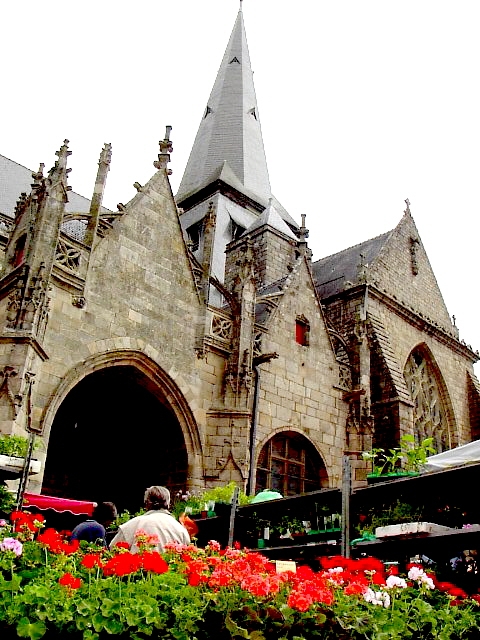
(194, 234)
(237, 230)
(234, 59)
(302, 331)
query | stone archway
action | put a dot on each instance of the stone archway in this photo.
(432, 410)
(116, 432)
(289, 463)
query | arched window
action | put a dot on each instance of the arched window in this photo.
(429, 415)
(289, 463)
(19, 255)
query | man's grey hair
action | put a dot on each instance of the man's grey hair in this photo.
(157, 498)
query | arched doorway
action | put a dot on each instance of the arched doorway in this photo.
(114, 435)
(290, 464)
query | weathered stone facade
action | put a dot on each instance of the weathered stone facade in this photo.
(187, 340)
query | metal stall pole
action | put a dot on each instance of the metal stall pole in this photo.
(346, 493)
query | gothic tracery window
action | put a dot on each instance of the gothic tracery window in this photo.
(289, 463)
(429, 414)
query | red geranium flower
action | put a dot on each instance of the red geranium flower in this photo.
(122, 545)
(153, 561)
(354, 589)
(91, 560)
(122, 564)
(457, 592)
(299, 601)
(67, 580)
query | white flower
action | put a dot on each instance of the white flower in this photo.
(427, 581)
(421, 577)
(414, 573)
(395, 581)
(336, 570)
(377, 597)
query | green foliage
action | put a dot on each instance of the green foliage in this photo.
(195, 501)
(409, 456)
(391, 514)
(7, 500)
(237, 594)
(124, 517)
(13, 445)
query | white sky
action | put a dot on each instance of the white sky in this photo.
(362, 104)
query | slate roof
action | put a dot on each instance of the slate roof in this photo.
(230, 128)
(16, 179)
(271, 218)
(331, 273)
(229, 143)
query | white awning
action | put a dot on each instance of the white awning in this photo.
(466, 454)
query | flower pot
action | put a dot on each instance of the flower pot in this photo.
(375, 478)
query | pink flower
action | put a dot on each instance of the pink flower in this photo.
(11, 544)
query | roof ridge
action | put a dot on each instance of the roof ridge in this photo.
(353, 246)
(15, 162)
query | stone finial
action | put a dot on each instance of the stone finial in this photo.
(59, 171)
(166, 149)
(20, 205)
(37, 180)
(106, 154)
(62, 155)
(362, 270)
(303, 230)
(407, 210)
(38, 175)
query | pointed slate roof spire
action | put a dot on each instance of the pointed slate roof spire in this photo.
(271, 218)
(230, 131)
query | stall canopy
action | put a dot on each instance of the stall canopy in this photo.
(466, 454)
(60, 505)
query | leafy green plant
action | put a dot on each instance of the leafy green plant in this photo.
(288, 524)
(409, 456)
(51, 588)
(195, 501)
(7, 500)
(124, 517)
(16, 446)
(388, 514)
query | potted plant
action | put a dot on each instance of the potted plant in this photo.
(405, 460)
(398, 512)
(13, 450)
(214, 501)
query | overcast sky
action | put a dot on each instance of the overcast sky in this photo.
(362, 104)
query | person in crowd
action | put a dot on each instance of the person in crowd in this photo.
(157, 521)
(94, 529)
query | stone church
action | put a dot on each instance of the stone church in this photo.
(192, 339)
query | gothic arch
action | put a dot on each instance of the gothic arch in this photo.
(433, 414)
(153, 391)
(272, 462)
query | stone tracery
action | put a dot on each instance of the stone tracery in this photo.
(429, 414)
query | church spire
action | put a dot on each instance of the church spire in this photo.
(229, 144)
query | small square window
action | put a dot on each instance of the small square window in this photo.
(302, 332)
